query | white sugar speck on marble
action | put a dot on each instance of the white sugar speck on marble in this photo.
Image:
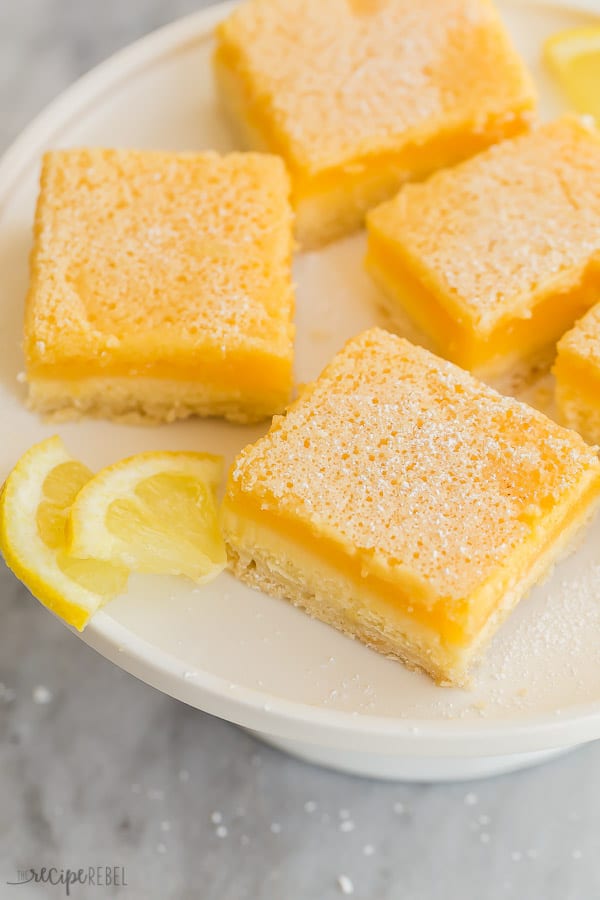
(7, 695)
(516, 855)
(221, 831)
(368, 850)
(576, 854)
(42, 695)
(470, 799)
(216, 817)
(275, 828)
(161, 848)
(345, 885)
(310, 806)
(347, 825)
(484, 837)
(399, 808)
(165, 825)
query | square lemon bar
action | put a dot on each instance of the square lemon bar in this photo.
(498, 257)
(577, 371)
(160, 286)
(359, 96)
(407, 504)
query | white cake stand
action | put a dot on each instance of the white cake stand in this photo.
(231, 651)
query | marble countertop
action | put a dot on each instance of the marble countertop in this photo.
(97, 769)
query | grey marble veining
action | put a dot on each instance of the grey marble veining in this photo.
(109, 772)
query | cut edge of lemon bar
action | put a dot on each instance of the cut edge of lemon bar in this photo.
(142, 400)
(335, 509)
(577, 373)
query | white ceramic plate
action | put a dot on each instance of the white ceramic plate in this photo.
(224, 648)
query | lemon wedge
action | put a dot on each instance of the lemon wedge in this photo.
(34, 505)
(574, 57)
(155, 512)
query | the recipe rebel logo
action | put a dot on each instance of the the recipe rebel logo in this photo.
(90, 876)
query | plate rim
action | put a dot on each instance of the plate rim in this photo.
(252, 708)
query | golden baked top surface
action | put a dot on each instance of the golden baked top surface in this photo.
(492, 230)
(144, 255)
(583, 340)
(415, 464)
(337, 79)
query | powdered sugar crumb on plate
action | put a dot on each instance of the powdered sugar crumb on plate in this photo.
(345, 885)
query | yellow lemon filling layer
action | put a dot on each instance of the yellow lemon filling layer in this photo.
(247, 372)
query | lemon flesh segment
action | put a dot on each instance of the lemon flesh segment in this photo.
(155, 513)
(574, 57)
(34, 506)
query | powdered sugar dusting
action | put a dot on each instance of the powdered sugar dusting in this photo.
(544, 659)
(144, 251)
(550, 652)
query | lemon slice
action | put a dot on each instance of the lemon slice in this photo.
(155, 513)
(574, 57)
(34, 505)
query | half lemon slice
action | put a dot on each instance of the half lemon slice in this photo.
(156, 512)
(574, 57)
(34, 506)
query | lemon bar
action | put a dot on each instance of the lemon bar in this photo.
(359, 96)
(577, 371)
(160, 286)
(406, 503)
(498, 257)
